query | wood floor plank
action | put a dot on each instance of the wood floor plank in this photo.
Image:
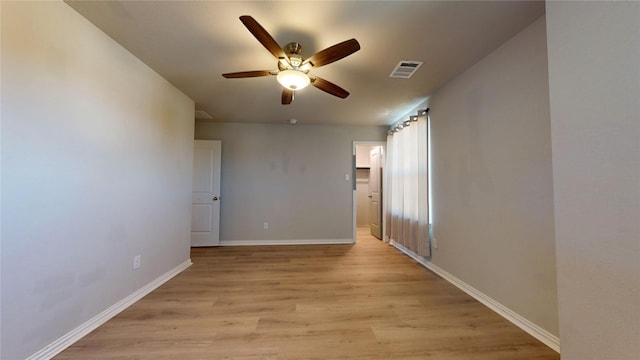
(363, 301)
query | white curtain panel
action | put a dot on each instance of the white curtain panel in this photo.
(407, 209)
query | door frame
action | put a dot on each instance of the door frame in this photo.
(383, 144)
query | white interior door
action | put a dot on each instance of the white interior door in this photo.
(375, 192)
(205, 208)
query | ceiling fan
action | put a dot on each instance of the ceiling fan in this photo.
(293, 69)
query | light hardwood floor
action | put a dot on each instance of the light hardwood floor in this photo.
(363, 301)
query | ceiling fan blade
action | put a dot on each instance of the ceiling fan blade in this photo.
(287, 96)
(263, 36)
(247, 74)
(329, 87)
(334, 53)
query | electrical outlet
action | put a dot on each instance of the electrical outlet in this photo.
(137, 262)
(266, 226)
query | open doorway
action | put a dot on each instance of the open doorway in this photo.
(368, 188)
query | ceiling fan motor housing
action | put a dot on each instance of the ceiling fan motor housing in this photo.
(293, 48)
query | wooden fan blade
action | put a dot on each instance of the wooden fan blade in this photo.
(334, 53)
(329, 87)
(263, 36)
(287, 96)
(247, 74)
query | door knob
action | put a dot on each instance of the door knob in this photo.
(215, 198)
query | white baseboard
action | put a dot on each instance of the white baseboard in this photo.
(285, 242)
(532, 329)
(76, 334)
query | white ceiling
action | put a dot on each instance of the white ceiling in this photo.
(191, 43)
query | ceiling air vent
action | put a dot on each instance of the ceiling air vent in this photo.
(202, 115)
(405, 69)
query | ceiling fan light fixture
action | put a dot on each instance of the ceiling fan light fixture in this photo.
(293, 79)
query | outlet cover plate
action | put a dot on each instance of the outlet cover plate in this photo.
(137, 262)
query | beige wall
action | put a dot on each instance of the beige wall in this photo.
(363, 160)
(96, 168)
(492, 178)
(363, 155)
(594, 68)
(362, 197)
(292, 177)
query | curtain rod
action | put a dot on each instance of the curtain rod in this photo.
(400, 125)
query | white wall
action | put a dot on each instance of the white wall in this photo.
(492, 178)
(289, 176)
(96, 168)
(594, 80)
